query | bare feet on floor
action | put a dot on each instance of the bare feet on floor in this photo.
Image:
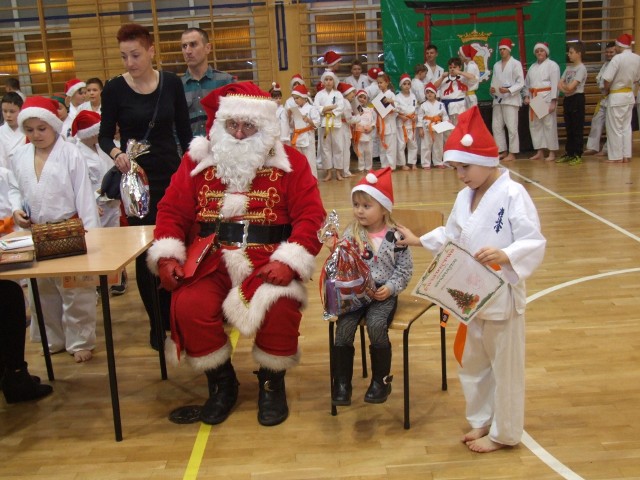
(484, 445)
(509, 158)
(589, 152)
(82, 356)
(475, 434)
(327, 177)
(601, 153)
(551, 157)
(537, 156)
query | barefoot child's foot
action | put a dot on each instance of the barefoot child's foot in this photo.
(537, 156)
(475, 434)
(484, 445)
(82, 356)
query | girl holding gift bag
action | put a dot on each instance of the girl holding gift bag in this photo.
(374, 233)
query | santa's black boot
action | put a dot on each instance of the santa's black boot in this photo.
(272, 398)
(19, 386)
(342, 375)
(223, 394)
(380, 386)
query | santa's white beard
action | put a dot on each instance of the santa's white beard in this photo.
(237, 161)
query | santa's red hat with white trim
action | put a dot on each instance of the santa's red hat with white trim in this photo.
(471, 141)
(300, 91)
(329, 73)
(378, 184)
(506, 43)
(296, 80)
(404, 78)
(362, 92)
(86, 124)
(42, 108)
(467, 51)
(625, 41)
(240, 100)
(331, 58)
(345, 88)
(72, 86)
(542, 45)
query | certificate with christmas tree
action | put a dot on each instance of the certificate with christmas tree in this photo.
(458, 282)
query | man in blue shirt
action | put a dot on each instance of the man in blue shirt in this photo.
(200, 78)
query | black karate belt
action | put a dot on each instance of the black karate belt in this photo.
(243, 232)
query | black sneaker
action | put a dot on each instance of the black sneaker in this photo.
(120, 288)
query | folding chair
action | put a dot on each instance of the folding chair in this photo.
(409, 310)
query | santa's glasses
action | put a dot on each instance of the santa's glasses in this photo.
(247, 128)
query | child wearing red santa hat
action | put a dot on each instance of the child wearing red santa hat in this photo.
(494, 219)
(305, 119)
(470, 74)
(329, 103)
(373, 232)
(53, 180)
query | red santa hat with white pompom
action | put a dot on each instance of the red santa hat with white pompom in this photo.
(471, 141)
(378, 184)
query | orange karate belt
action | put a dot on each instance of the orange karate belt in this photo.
(355, 135)
(412, 117)
(6, 225)
(299, 131)
(380, 128)
(534, 93)
(432, 121)
(461, 335)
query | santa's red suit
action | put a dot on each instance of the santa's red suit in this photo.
(283, 194)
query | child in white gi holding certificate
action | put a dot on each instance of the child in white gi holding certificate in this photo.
(493, 218)
(373, 233)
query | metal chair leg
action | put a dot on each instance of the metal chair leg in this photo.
(363, 349)
(405, 368)
(334, 410)
(443, 348)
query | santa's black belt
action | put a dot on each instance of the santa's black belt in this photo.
(243, 232)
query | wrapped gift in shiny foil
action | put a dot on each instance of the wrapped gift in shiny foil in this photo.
(134, 185)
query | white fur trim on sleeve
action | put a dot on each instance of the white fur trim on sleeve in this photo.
(165, 248)
(199, 148)
(297, 257)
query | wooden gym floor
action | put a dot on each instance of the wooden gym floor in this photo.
(583, 372)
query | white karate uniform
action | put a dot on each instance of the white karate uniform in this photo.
(506, 105)
(432, 142)
(330, 135)
(598, 119)
(362, 82)
(348, 120)
(492, 373)
(417, 88)
(98, 164)
(10, 198)
(406, 105)
(305, 142)
(471, 99)
(433, 74)
(621, 73)
(386, 128)
(453, 97)
(10, 140)
(364, 140)
(62, 191)
(544, 131)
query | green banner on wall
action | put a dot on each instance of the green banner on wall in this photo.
(410, 25)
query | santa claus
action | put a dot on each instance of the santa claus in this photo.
(235, 239)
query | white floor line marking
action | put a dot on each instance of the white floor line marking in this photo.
(575, 205)
(528, 441)
(549, 459)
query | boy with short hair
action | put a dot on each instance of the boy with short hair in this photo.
(11, 137)
(357, 80)
(572, 85)
(452, 90)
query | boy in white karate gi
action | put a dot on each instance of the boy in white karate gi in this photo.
(304, 125)
(493, 218)
(542, 79)
(430, 113)
(470, 74)
(364, 132)
(406, 105)
(11, 137)
(54, 183)
(329, 103)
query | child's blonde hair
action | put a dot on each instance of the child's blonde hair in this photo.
(357, 229)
